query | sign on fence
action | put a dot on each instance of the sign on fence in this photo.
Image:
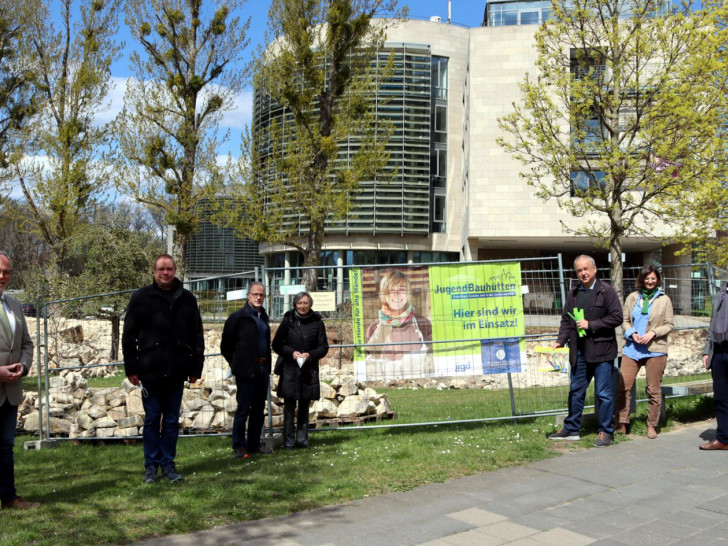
(472, 312)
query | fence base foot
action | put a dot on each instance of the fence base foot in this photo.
(40, 444)
(272, 441)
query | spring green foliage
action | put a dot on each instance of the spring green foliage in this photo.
(186, 77)
(318, 68)
(112, 251)
(70, 53)
(637, 95)
(16, 100)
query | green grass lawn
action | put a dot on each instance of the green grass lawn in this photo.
(93, 494)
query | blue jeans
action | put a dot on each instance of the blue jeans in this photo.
(581, 376)
(719, 371)
(8, 420)
(251, 396)
(161, 406)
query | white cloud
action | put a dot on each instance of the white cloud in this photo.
(241, 114)
(114, 100)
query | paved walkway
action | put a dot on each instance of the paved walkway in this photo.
(641, 492)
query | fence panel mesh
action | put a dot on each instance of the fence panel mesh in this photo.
(80, 392)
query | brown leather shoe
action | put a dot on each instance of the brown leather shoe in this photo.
(714, 445)
(651, 432)
(620, 428)
(20, 503)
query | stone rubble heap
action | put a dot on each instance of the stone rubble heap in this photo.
(78, 411)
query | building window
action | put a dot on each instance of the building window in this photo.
(438, 145)
(500, 14)
(584, 182)
(425, 257)
(439, 77)
(438, 167)
(438, 211)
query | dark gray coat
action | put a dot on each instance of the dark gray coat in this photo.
(306, 335)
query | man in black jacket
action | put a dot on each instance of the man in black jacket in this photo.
(591, 313)
(163, 345)
(245, 345)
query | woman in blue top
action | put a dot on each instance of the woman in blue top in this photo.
(648, 319)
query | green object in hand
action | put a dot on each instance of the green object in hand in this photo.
(577, 316)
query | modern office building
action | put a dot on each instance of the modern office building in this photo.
(457, 195)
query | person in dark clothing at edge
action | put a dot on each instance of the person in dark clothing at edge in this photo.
(715, 358)
(245, 345)
(163, 345)
(301, 343)
(591, 313)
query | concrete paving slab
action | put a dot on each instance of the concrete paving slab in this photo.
(562, 537)
(476, 517)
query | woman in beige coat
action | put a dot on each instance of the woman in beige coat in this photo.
(648, 319)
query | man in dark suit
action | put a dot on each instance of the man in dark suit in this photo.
(16, 356)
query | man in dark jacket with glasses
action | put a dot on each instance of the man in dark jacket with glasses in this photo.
(163, 346)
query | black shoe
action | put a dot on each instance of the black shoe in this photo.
(170, 472)
(241, 453)
(264, 450)
(562, 434)
(150, 474)
(603, 440)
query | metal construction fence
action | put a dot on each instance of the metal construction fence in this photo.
(80, 391)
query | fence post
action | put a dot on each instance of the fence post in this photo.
(45, 374)
(562, 282)
(513, 399)
(711, 282)
(38, 345)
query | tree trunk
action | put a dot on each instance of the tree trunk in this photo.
(616, 273)
(114, 353)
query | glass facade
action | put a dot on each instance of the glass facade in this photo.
(500, 14)
(512, 13)
(414, 101)
(215, 250)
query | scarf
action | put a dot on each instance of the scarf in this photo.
(647, 296)
(399, 320)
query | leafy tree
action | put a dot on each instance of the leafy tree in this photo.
(116, 259)
(24, 247)
(319, 69)
(112, 252)
(187, 77)
(64, 179)
(625, 122)
(16, 102)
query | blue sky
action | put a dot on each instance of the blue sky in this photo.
(464, 12)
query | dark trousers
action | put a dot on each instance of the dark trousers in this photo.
(719, 370)
(251, 396)
(8, 421)
(161, 407)
(295, 434)
(581, 376)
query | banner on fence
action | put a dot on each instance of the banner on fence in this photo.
(473, 313)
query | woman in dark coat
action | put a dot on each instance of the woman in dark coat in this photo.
(301, 342)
